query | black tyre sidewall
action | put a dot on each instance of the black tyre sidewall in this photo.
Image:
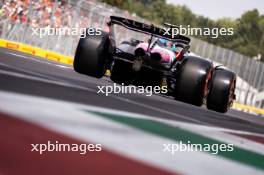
(190, 80)
(219, 93)
(91, 54)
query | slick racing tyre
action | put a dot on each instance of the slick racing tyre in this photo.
(222, 90)
(192, 80)
(91, 54)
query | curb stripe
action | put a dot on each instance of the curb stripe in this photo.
(71, 119)
(35, 51)
(222, 135)
(177, 134)
(15, 150)
(251, 137)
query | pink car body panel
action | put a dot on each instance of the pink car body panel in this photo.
(167, 55)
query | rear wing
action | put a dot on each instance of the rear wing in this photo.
(147, 29)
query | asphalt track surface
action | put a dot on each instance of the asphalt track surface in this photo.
(25, 74)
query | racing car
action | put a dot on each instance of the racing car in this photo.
(151, 59)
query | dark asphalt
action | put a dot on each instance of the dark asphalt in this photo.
(26, 74)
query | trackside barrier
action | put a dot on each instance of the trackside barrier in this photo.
(69, 60)
(36, 51)
(247, 108)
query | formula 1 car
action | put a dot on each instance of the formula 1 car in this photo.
(156, 57)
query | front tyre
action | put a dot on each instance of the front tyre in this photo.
(91, 54)
(222, 90)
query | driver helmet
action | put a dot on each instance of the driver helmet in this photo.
(166, 43)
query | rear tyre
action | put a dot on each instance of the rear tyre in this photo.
(222, 90)
(191, 80)
(91, 54)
